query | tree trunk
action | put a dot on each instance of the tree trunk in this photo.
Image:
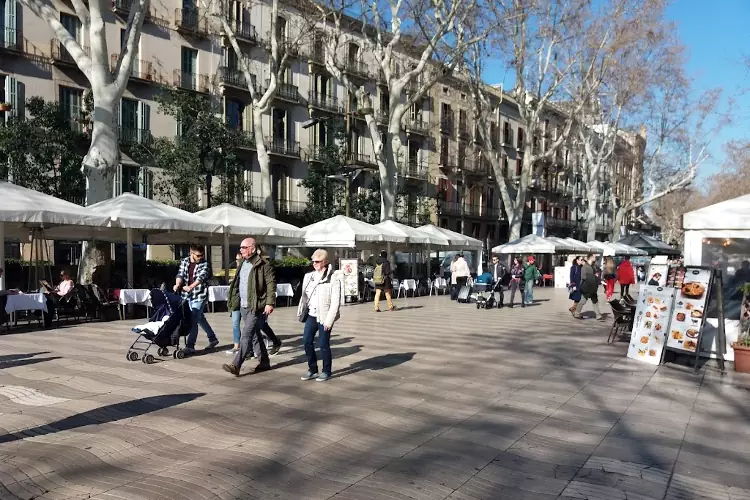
(264, 162)
(389, 176)
(592, 197)
(620, 214)
(99, 165)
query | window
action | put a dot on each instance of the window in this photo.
(444, 150)
(519, 166)
(385, 101)
(281, 130)
(71, 105)
(8, 23)
(446, 118)
(188, 67)
(12, 92)
(520, 138)
(353, 54)
(134, 120)
(72, 24)
(133, 179)
(234, 111)
(280, 28)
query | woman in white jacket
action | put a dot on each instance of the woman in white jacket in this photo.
(322, 291)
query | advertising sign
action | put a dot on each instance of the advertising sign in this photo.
(651, 322)
(350, 268)
(689, 310)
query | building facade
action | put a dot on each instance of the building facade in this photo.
(184, 47)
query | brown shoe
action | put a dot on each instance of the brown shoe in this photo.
(231, 369)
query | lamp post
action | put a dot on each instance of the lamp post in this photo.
(348, 176)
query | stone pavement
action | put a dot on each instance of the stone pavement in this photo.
(435, 401)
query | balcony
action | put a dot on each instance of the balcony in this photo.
(232, 77)
(361, 159)
(11, 40)
(418, 126)
(143, 71)
(563, 223)
(60, 55)
(448, 162)
(281, 147)
(192, 22)
(291, 208)
(415, 169)
(286, 91)
(318, 154)
(190, 81)
(286, 45)
(130, 136)
(324, 102)
(382, 116)
(244, 32)
(247, 139)
(357, 68)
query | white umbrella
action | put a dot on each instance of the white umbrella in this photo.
(583, 247)
(24, 209)
(414, 235)
(342, 231)
(455, 239)
(534, 244)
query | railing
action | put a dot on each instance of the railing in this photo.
(283, 148)
(190, 81)
(285, 45)
(11, 39)
(128, 136)
(232, 76)
(286, 91)
(416, 169)
(317, 55)
(418, 126)
(357, 68)
(382, 115)
(555, 222)
(141, 70)
(243, 31)
(192, 20)
(448, 161)
(121, 5)
(324, 101)
(290, 207)
(247, 138)
(318, 153)
(361, 159)
(61, 54)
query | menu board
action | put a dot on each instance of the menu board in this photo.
(676, 276)
(689, 310)
(350, 268)
(657, 275)
(651, 323)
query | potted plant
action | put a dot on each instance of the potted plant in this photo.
(742, 346)
(5, 106)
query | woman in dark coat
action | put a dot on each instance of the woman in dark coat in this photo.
(575, 284)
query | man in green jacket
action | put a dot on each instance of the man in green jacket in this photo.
(530, 275)
(253, 291)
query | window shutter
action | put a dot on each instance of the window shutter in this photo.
(11, 89)
(118, 181)
(10, 33)
(247, 119)
(144, 121)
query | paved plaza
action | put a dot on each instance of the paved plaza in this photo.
(437, 400)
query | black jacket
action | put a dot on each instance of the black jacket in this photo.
(589, 280)
(387, 283)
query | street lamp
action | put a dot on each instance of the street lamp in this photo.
(350, 174)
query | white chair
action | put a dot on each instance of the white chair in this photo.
(439, 284)
(405, 286)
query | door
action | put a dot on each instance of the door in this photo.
(188, 66)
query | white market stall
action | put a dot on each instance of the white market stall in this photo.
(415, 236)
(457, 241)
(23, 211)
(718, 236)
(344, 232)
(239, 223)
(533, 244)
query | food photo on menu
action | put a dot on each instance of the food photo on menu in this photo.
(651, 324)
(689, 310)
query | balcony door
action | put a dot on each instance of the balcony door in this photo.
(189, 66)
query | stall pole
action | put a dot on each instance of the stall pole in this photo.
(226, 255)
(129, 256)
(2, 254)
(721, 339)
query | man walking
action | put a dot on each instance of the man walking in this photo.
(253, 291)
(498, 274)
(191, 281)
(589, 287)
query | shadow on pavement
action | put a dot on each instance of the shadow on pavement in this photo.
(14, 360)
(375, 363)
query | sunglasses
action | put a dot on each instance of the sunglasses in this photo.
(245, 248)
(318, 261)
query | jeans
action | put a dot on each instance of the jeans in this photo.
(529, 292)
(265, 328)
(516, 285)
(324, 339)
(197, 318)
(250, 336)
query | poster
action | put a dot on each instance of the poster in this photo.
(690, 304)
(351, 277)
(657, 275)
(651, 323)
(676, 276)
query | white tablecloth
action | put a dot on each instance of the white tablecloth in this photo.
(26, 302)
(284, 290)
(218, 293)
(140, 296)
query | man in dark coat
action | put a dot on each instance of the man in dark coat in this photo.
(498, 274)
(589, 288)
(383, 278)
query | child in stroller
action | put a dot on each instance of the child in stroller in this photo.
(483, 285)
(170, 321)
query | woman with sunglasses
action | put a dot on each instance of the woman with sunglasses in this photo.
(322, 293)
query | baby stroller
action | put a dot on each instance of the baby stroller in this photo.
(483, 285)
(170, 321)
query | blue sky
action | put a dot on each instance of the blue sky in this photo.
(717, 36)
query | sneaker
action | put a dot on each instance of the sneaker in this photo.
(213, 344)
(232, 351)
(231, 369)
(323, 377)
(262, 368)
(275, 349)
(309, 376)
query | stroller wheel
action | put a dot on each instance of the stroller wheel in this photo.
(148, 359)
(479, 305)
(163, 351)
(180, 354)
(132, 356)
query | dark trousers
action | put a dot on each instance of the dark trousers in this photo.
(324, 340)
(268, 331)
(516, 285)
(251, 321)
(460, 282)
(624, 290)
